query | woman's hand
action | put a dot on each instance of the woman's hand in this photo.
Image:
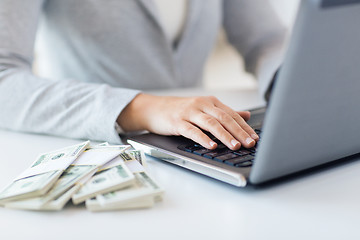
(186, 116)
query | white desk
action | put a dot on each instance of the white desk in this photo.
(325, 205)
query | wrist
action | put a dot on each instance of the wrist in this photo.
(134, 116)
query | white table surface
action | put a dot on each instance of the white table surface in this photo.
(323, 205)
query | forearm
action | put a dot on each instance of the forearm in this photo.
(64, 108)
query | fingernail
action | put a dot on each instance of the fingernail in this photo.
(254, 136)
(249, 141)
(212, 144)
(234, 142)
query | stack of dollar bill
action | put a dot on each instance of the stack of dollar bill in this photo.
(104, 177)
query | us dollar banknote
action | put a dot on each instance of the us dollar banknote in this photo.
(94, 205)
(66, 181)
(139, 156)
(42, 175)
(85, 165)
(110, 179)
(53, 205)
(144, 187)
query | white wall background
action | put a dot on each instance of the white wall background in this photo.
(224, 69)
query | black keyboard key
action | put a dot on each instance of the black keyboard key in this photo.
(252, 150)
(235, 161)
(225, 157)
(221, 146)
(192, 148)
(242, 152)
(202, 151)
(217, 152)
(244, 164)
(239, 158)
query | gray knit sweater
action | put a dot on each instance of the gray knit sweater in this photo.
(100, 54)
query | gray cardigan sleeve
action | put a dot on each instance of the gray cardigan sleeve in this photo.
(29, 103)
(255, 30)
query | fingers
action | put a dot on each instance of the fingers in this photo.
(187, 116)
(190, 131)
(240, 118)
(212, 125)
(233, 127)
(224, 128)
(245, 115)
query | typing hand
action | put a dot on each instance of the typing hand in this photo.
(186, 116)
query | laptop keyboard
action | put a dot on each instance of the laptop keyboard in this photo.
(244, 157)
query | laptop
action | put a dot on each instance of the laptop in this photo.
(313, 116)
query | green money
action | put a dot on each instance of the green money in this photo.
(40, 177)
(59, 154)
(71, 176)
(29, 186)
(94, 205)
(143, 187)
(109, 180)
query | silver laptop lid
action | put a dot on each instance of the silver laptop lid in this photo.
(314, 113)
